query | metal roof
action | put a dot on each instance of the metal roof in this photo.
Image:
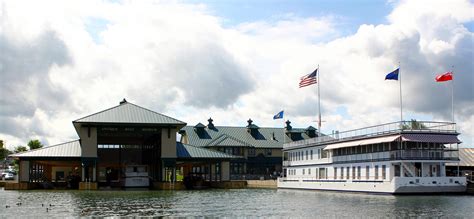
(129, 113)
(68, 149)
(239, 136)
(433, 138)
(362, 142)
(189, 151)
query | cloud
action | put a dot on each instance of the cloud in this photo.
(180, 60)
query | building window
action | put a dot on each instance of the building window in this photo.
(252, 152)
(303, 171)
(342, 172)
(348, 169)
(376, 168)
(309, 171)
(306, 155)
(353, 172)
(268, 152)
(367, 172)
(383, 172)
(311, 154)
(335, 172)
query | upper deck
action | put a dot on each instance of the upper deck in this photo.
(428, 127)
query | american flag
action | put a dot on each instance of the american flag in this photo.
(309, 79)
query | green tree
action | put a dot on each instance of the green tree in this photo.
(1, 143)
(4, 152)
(34, 144)
(20, 148)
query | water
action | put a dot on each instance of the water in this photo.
(231, 203)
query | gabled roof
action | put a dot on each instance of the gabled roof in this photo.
(185, 151)
(240, 136)
(68, 149)
(129, 113)
(226, 140)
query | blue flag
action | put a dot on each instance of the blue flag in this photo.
(392, 75)
(278, 115)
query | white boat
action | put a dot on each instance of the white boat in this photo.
(136, 176)
(399, 157)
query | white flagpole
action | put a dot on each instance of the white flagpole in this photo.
(452, 92)
(319, 103)
(401, 105)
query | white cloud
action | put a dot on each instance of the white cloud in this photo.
(178, 59)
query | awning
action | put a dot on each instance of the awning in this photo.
(443, 139)
(362, 142)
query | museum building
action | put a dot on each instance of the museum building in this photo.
(123, 146)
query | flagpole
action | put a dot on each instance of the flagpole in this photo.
(319, 103)
(401, 105)
(452, 92)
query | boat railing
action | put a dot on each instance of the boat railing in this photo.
(378, 130)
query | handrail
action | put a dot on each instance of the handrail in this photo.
(378, 130)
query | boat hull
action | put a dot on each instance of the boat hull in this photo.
(398, 185)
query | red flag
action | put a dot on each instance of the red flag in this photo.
(448, 76)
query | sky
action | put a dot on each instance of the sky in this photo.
(233, 60)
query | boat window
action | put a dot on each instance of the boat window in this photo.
(383, 172)
(397, 170)
(367, 169)
(376, 168)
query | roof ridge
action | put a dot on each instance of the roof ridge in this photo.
(93, 114)
(123, 104)
(212, 151)
(225, 136)
(156, 112)
(50, 146)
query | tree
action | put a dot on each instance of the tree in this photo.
(34, 144)
(1, 143)
(4, 153)
(20, 148)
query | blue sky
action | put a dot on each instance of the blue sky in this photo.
(244, 59)
(351, 13)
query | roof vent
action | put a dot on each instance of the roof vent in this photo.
(123, 101)
(311, 131)
(288, 126)
(210, 125)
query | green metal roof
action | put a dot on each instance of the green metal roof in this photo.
(129, 113)
(240, 137)
(68, 149)
(189, 151)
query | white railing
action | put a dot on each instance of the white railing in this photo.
(384, 129)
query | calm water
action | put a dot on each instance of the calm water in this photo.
(230, 203)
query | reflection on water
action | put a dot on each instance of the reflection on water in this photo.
(230, 203)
